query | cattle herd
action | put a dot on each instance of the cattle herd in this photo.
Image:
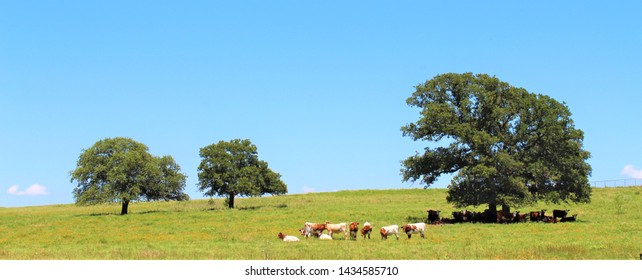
(464, 216)
(316, 230)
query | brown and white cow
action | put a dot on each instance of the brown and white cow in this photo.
(354, 228)
(537, 216)
(389, 230)
(288, 238)
(366, 230)
(312, 228)
(409, 229)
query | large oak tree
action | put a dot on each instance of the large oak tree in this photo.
(233, 169)
(122, 170)
(506, 146)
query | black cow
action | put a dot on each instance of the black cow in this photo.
(458, 217)
(569, 219)
(560, 213)
(433, 216)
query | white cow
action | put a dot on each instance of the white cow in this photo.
(420, 228)
(288, 238)
(389, 230)
(324, 236)
(332, 228)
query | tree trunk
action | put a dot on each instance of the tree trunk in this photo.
(230, 202)
(505, 210)
(123, 210)
(492, 207)
(492, 212)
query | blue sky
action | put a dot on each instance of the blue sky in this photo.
(318, 86)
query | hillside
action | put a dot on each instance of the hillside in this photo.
(607, 228)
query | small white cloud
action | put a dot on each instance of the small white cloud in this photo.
(13, 190)
(308, 189)
(32, 190)
(632, 172)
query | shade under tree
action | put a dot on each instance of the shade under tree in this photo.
(122, 170)
(505, 145)
(232, 168)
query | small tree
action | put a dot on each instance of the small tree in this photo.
(234, 169)
(506, 145)
(122, 170)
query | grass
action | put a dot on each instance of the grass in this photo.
(607, 228)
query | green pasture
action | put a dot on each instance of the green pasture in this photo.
(610, 227)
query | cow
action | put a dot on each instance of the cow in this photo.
(510, 218)
(549, 219)
(312, 228)
(389, 230)
(537, 216)
(458, 217)
(522, 218)
(504, 219)
(467, 216)
(341, 227)
(366, 230)
(477, 217)
(433, 216)
(569, 219)
(560, 213)
(323, 236)
(354, 228)
(288, 238)
(448, 221)
(488, 216)
(409, 229)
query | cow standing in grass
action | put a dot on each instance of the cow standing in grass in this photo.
(341, 227)
(433, 216)
(354, 228)
(409, 229)
(389, 230)
(312, 229)
(366, 230)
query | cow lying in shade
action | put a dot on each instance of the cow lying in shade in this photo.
(409, 229)
(537, 216)
(288, 238)
(569, 219)
(366, 230)
(389, 230)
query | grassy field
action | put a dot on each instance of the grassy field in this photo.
(608, 228)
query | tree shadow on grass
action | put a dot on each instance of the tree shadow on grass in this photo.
(250, 207)
(246, 208)
(413, 219)
(118, 214)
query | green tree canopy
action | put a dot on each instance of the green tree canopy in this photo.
(122, 170)
(507, 146)
(233, 169)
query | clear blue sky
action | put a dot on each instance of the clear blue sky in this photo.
(318, 86)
